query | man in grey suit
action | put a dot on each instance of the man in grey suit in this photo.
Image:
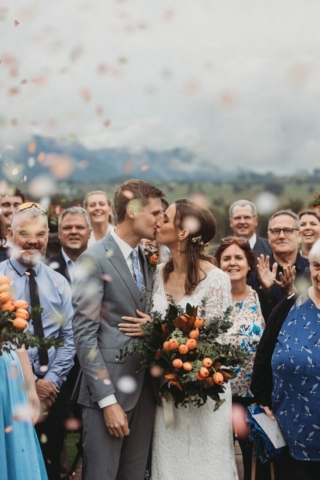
(243, 219)
(108, 278)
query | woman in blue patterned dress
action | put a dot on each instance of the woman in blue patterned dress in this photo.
(235, 257)
(286, 376)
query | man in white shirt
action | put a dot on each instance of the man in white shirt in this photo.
(110, 282)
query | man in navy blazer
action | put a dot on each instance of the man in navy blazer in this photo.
(243, 219)
(74, 230)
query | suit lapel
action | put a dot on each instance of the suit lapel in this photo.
(147, 274)
(118, 261)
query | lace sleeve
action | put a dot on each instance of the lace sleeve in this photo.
(218, 293)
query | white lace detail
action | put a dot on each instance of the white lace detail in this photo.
(200, 443)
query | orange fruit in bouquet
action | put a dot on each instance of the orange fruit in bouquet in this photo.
(21, 304)
(198, 376)
(191, 343)
(22, 313)
(194, 333)
(4, 280)
(20, 323)
(187, 366)
(173, 343)
(5, 297)
(198, 323)
(9, 306)
(183, 349)
(4, 287)
(177, 363)
(204, 372)
(217, 378)
(207, 362)
(166, 346)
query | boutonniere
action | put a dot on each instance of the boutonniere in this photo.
(151, 254)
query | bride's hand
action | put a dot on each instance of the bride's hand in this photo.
(133, 328)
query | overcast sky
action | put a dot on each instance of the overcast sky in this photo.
(238, 82)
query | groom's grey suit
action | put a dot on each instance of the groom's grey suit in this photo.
(104, 290)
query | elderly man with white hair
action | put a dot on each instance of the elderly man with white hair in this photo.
(43, 287)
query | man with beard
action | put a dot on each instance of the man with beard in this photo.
(42, 286)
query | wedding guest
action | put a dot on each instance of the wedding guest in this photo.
(9, 203)
(284, 239)
(243, 217)
(99, 206)
(286, 376)
(236, 258)
(42, 286)
(309, 230)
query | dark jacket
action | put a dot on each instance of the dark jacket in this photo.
(262, 246)
(261, 383)
(62, 268)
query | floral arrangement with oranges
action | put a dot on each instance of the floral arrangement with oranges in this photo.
(14, 318)
(181, 347)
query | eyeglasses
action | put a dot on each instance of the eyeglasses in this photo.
(26, 205)
(286, 231)
(237, 239)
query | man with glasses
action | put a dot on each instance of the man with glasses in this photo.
(243, 221)
(285, 265)
(43, 287)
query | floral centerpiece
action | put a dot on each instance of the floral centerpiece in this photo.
(14, 318)
(182, 348)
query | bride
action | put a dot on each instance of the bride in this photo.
(200, 443)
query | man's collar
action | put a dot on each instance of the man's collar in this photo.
(253, 240)
(300, 262)
(21, 269)
(124, 247)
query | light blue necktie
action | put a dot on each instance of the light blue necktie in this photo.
(137, 275)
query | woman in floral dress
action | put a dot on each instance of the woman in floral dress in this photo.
(235, 257)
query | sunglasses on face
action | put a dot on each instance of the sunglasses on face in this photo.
(237, 239)
(27, 205)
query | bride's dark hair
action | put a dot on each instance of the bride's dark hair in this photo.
(202, 226)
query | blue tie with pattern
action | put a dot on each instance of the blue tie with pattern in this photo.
(137, 275)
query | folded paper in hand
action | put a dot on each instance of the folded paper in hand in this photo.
(271, 429)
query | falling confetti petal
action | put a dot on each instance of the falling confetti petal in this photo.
(127, 384)
(8, 429)
(16, 23)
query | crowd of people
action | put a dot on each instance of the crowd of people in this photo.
(94, 296)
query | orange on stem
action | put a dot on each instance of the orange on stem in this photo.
(173, 344)
(194, 333)
(204, 372)
(187, 366)
(207, 362)
(183, 349)
(9, 306)
(22, 313)
(198, 323)
(20, 323)
(177, 363)
(21, 304)
(191, 343)
(217, 378)
(5, 297)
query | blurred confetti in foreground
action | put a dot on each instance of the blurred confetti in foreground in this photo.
(127, 384)
(266, 203)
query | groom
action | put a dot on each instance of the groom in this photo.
(111, 281)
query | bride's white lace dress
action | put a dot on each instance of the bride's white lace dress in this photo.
(199, 445)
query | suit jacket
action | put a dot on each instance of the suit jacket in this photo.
(262, 246)
(103, 291)
(62, 268)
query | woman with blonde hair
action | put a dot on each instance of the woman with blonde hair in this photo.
(99, 206)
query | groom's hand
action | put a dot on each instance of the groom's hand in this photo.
(116, 420)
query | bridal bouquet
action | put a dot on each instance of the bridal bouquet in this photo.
(182, 348)
(14, 318)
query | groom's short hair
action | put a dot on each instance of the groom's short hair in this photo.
(133, 190)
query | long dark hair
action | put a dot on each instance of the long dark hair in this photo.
(202, 226)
